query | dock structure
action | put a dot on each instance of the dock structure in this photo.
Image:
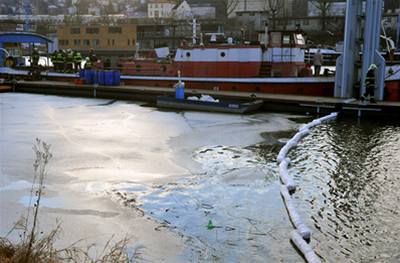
(272, 102)
(355, 41)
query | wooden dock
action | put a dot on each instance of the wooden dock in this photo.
(272, 102)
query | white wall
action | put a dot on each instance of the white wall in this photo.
(159, 9)
(204, 12)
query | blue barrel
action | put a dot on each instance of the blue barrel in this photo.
(108, 78)
(180, 91)
(89, 76)
(116, 78)
(101, 77)
(95, 77)
(81, 73)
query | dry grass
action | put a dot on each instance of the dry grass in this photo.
(37, 247)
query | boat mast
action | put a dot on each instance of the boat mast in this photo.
(194, 30)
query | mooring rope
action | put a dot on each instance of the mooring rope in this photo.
(301, 236)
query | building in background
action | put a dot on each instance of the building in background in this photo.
(253, 20)
(160, 8)
(194, 9)
(104, 39)
(248, 6)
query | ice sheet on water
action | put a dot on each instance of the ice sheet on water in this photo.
(229, 193)
(221, 159)
(17, 185)
(50, 202)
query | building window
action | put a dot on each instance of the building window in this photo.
(281, 22)
(92, 30)
(75, 30)
(77, 42)
(286, 40)
(114, 30)
(86, 42)
(113, 42)
(96, 42)
(306, 22)
(129, 42)
(63, 42)
(300, 39)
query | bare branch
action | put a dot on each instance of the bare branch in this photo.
(229, 5)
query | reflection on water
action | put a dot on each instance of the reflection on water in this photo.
(349, 178)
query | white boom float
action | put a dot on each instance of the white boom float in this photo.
(302, 235)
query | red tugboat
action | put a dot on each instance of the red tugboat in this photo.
(283, 57)
(278, 67)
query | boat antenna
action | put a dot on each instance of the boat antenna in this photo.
(137, 46)
(179, 77)
(201, 39)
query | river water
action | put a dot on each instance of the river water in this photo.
(163, 177)
(349, 177)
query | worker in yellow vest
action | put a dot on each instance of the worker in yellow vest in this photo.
(88, 63)
(58, 63)
(77, 60)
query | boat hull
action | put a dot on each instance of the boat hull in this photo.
(308, 86)
(323, 87)
(225, 107)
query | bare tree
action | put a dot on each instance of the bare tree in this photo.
(324, 7)
(274, 7)
(229, 6)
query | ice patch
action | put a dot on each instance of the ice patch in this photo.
(51, 202)
(18, 185)
(229, 193)
(222, 159)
